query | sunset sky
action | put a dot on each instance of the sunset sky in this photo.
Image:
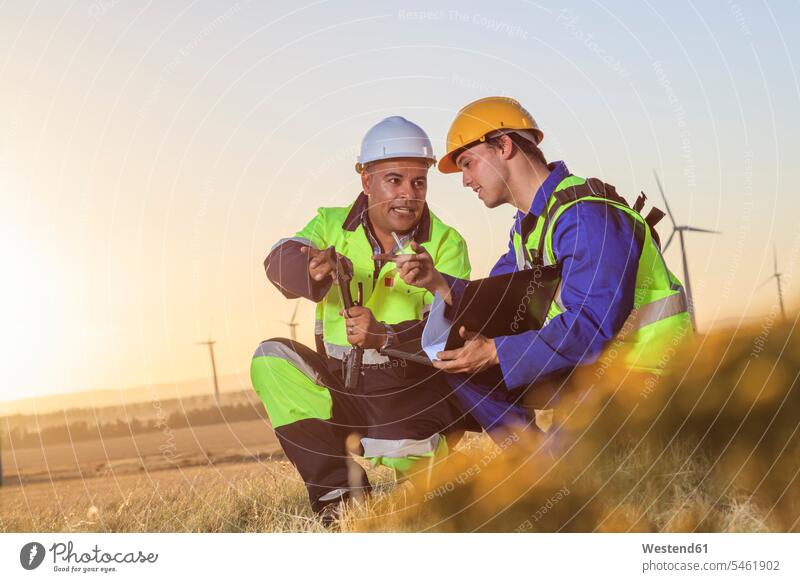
(151, 153)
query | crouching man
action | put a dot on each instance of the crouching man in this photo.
(400, 412)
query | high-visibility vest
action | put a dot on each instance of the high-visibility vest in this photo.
(659, 321)
(389, 298)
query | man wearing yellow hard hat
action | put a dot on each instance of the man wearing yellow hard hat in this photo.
(615, 284)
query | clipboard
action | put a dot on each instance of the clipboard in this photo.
(506, 304)
(495, 306)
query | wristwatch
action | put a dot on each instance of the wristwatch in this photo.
(390, 335)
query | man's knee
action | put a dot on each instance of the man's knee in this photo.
(264, 361)
(405, 455)
(289, 386)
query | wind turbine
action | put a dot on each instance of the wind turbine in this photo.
(777, 276)
(210, 343)
(292, 323)
(680, 230)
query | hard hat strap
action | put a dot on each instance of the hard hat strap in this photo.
(523, 133)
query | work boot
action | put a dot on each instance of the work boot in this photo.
(331, 514)
(330, 510)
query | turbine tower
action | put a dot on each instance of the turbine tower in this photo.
(210, 343)
(777, 276)
(680, 229)
(292, 323)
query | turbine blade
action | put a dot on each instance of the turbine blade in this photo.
(294, 313)
(666, 204)
(694, 229)
(771, 277)
(669, 240)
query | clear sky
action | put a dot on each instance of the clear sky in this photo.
(152, 152)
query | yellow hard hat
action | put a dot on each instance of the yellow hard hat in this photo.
(480, 118)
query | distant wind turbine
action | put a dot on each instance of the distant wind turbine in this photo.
(680, 230)
(210, 343)
(292, 323)
(777, 276)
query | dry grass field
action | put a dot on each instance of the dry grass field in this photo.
(207, 444)
(264, 496)
(714, 447)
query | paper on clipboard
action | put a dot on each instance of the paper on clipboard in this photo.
(437, 328)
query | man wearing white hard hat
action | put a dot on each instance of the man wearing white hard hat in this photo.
(401, 413)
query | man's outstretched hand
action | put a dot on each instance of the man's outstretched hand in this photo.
(478, 354)
(417, 269)
(318, 266)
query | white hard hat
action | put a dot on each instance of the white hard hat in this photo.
(394, 137)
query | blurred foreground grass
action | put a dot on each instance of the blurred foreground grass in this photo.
(713, 447)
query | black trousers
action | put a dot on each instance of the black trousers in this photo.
(397, 405)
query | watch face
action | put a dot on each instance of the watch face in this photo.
(389, 337)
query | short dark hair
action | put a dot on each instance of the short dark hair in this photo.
(530, 149)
